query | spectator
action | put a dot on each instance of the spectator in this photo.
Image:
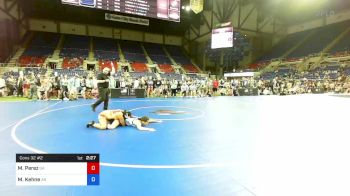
(33, 82)
(89, 86)
(136, 84)
(26, 87)
(20, 82)
(2, 86)
(10, 85)
(64, 88)
(184, 89)
(73, 85)
(173, 87)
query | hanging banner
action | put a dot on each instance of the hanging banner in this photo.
(126, 19)
(197, 6)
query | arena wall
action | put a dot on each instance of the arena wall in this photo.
(75, 29)
(97, 31)
(337, 17)
(132, 35)
(154, 38)
(44, 25)
(172, 40)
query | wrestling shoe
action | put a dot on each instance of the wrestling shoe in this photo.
(90, 124)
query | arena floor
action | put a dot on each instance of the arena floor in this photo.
(236, 146)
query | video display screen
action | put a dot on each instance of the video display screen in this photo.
(222, 38)
(161, 9)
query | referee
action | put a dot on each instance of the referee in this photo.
(103, 88)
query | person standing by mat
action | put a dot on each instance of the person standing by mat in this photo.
(103, 87)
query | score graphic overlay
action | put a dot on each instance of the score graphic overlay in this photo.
(222, 38)
(162, 9)
(57, 169)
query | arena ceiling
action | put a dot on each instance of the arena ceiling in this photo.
(297, 11)
(288, 12)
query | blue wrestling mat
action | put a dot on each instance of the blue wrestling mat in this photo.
(237, 146)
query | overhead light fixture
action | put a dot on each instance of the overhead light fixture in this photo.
(188, 8)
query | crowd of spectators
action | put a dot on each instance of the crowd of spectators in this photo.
(45, 87)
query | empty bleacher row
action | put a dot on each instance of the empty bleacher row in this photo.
(41, 47)
(343, 45)
(319, 40)
(132, 51)
(310, 42)
(75, 49)
(75, 46)
(283, 46)
(106, 49)
(157, 54)
(166, 68)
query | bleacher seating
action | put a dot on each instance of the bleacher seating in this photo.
(347, 71)
(72, 63)
(133, 57)
(321, 39)
(176, 53)
(283, 46)
(75, 49)
(31, 61)
(108, 64)
(106, 55)
(171, 76)
(180, 58)
(139, 67)
(42, 46)
(195, 76)
(139, 75)
(330, 71)
(27, 71)
(258, 65)
(268, 75)
(70, 72)
(133, 52)
(342, 45)
(106, 49)
(36, 71)
(11, 73)
(156, 53)
(280, 72)
(190, 68)
(285, 71)
(166, 68)
(75, 46)
(38, 51)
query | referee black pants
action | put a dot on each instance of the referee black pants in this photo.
(173, 92)
(103, 97)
